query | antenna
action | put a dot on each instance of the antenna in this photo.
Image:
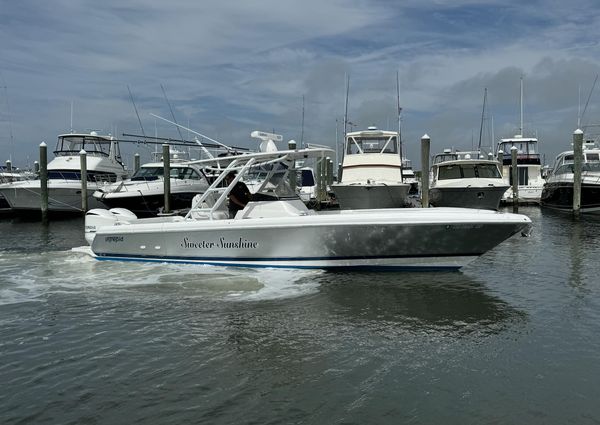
(171, 109)
(71, 115)
(136, 112)
(589, 95)
(302, 131)
(399, 126)
(347, 77)
(521, 108)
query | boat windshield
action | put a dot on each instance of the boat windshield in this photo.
(272, 181)
(72, 144)
(153, 173)
(442, 157)
(467, 171)
(384, 144)
(306, 178)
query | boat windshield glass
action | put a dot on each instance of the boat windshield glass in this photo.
(442, 157)
(466, 171)
(306, 178)
(524, 147)
(153, 173)
(73, 144)
(272, 181)
(382, 144)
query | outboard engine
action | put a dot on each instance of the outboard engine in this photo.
(99, 217)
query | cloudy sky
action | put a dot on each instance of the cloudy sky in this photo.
(230, 67)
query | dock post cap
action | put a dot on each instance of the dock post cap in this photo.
(514, 148)
(425, 136)
(82, 152)
(501, 151)
(43, 145)
(578, 131)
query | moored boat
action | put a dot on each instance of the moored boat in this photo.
(558, 189)
(465, 179)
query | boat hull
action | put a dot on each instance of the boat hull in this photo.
(63, 196)
(371, 196)
(559, 196)
(332, 240)
(487, 197)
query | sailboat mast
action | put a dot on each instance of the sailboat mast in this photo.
(482, 118)
(521, 108)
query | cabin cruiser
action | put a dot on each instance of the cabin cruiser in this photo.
(558, 190)
(104, 166)
(276, 229)
(529, 169)
(8, 174)
(144, 192)
(371, 171)
(465, 179)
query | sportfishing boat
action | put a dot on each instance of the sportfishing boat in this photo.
(529, 169)
(371, 171)
(104, 166)
(276, 229)
(465, 179)
(558, 190)
(144, 193)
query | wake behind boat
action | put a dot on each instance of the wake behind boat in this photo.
(276, 229)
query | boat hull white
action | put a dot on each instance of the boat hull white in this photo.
(64, 196)
(434, 239)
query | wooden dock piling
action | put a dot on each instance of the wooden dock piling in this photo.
(515, 178)
(425, 149)
(136, 162)
(84, 190)
(577, 169)
(44, 181)
(167, 177)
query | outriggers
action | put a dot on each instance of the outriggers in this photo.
(276, 229)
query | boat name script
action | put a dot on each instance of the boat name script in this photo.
(221, 243)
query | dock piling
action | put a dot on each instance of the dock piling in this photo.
(425, 148)
(515, 178)
(44, 180)
(136, 162)
(84, 197)
(167, 177)
(8, 165)
(577, 169)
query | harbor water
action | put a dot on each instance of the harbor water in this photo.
(513, 338)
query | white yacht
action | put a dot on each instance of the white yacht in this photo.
(465, 179)
(276, 229)
(529, 169)
(144, 194)
(11, 175)
(558, 190)
(64, 174)
(371, 176)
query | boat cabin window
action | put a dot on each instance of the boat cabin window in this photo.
(184, 173)
(306, 178)
(356, 145)
(592, 157)
(442, 157)
(148, 174)
(92, 176)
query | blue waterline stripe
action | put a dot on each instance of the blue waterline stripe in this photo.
(263, 259)
(271, 266)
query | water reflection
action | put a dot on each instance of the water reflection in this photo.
(450, 303)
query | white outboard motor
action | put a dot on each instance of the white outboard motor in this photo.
(99, 217)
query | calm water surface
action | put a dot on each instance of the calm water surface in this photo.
(514, 338)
